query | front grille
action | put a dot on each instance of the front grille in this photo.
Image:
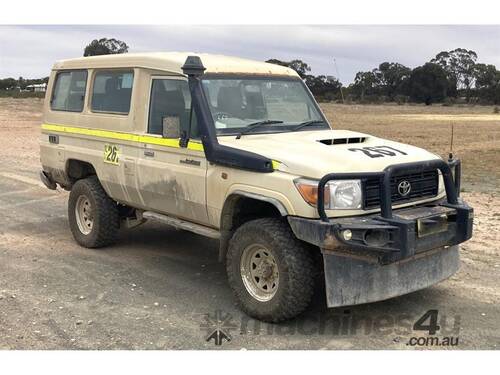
(423, 185)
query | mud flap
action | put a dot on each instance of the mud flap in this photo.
(351, 281)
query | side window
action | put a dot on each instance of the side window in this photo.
(171, 97)
(68, 93)
(112, 91)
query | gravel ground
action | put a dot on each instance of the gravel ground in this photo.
(154, 289)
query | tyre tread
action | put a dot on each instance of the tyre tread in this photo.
(108, 221)
(299, 263)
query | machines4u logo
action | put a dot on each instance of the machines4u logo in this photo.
(429, 323)
(218, 327)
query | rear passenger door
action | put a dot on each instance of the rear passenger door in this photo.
(171, 178)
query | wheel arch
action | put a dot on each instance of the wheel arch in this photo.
(77, 169)
(241, 206)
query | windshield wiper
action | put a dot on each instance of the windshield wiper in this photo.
(307, 123)
(254, 125)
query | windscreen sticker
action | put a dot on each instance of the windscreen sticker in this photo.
(378, 151)
(111, 154)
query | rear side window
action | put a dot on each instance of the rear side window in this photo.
(69, 91)
(112, 91)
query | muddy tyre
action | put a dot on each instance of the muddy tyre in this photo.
(269, 270)
(93, 216)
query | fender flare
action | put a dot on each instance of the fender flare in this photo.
(275, 202)
(226, 223)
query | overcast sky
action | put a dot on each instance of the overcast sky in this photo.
(30, 51)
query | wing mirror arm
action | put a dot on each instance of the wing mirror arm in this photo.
(184, 139)
(185, 134)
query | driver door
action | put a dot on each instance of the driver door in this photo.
(171, 179)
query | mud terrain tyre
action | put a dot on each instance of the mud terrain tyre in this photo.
(270, 271)
(93, 216)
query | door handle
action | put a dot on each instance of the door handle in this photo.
(149, 153)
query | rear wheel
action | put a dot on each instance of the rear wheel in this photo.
(269, 270)
(93, 216)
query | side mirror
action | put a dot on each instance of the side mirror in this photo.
(171, 127)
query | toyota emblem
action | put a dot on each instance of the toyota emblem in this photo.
(404, 188)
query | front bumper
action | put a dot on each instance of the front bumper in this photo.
(409, 232)
(379, 256)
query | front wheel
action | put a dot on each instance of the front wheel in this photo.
(269, 270)
(93, 216)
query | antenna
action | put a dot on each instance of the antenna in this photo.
(450, 155)
(338, 76)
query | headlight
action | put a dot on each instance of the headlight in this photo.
(345, 194)
(339, 195)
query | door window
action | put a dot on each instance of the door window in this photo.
(169, 98)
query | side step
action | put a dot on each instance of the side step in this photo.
(181, 224)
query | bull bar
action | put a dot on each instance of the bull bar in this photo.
(452, 187)
(392, 234)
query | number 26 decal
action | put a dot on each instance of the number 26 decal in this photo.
(378, 151)
(111, 153)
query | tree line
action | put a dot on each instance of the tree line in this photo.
(20, 83)
(451, 76)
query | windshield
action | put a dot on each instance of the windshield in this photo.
(273, 104)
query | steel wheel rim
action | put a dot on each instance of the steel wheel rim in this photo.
(259, 272)
(84, 214)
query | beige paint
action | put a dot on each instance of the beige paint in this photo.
(173, 61)
(198, 192)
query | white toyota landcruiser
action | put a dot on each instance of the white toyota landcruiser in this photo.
(240, 151)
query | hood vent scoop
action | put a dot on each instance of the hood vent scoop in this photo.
(342, 141)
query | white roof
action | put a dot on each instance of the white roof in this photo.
(173, 61)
